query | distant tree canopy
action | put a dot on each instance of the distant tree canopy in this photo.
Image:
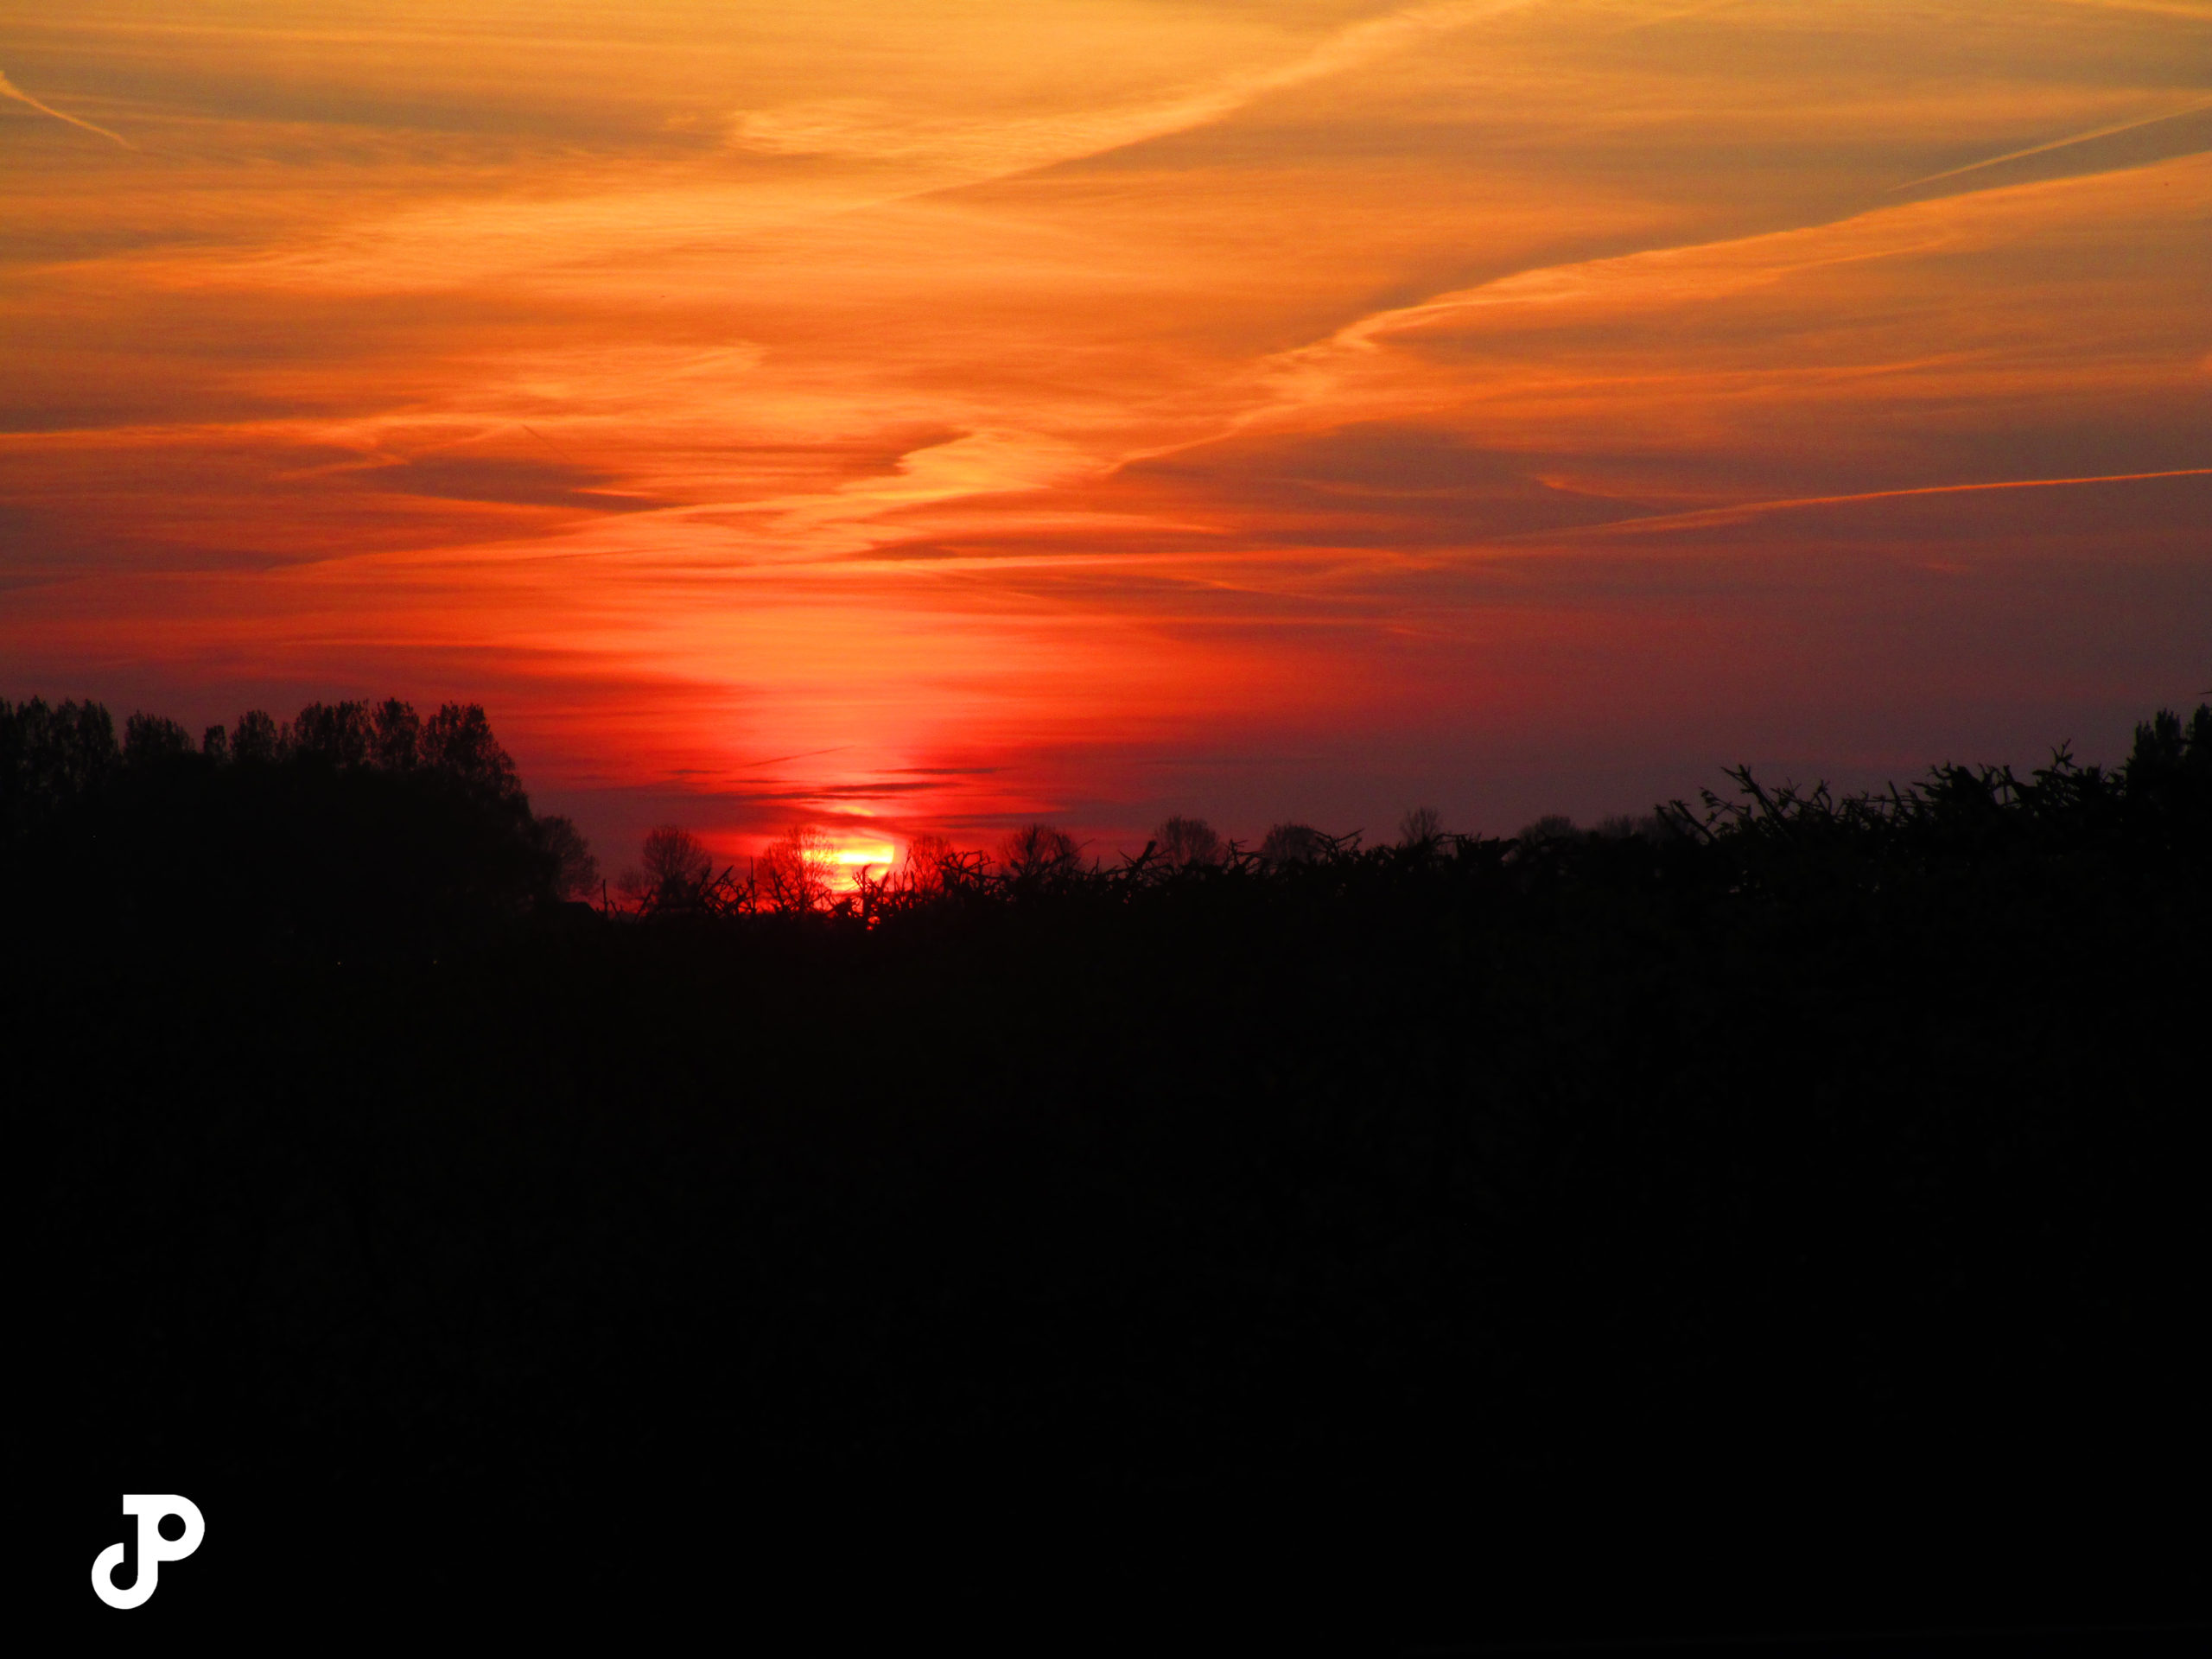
(1187, 841)
(148, 740)
(575, 870)
(50, 757)
(676, 872)
(1295, 843)
(1552, 826)
(1036, 851)
(927, 857)
(351, 824)
(1420, 826)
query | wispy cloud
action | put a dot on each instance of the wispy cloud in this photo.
(862, 129)
(9, 89)
(2156, 7)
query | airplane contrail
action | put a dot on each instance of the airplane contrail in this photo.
(548, 443)
(2055, 144)
(1740, 510)
(9, 89)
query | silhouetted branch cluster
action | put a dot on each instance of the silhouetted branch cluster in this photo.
(2155, 811)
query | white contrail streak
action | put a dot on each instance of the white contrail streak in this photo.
(1740, 510)
(9, 89)
(2055, 144)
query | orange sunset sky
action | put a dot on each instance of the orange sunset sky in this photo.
(927, 417)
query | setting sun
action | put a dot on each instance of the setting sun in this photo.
(852, 861)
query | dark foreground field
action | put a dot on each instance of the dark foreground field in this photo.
(1790, 1224)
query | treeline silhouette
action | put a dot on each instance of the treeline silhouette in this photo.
(352, 827)
(1783, 1212)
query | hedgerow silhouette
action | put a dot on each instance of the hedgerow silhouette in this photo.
(2153, 809)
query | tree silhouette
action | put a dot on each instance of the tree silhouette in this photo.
(924, 870)
(50, 757)
(574, 870)
(1295, 843)
(1039, 850)
(1183, 842)
(2168, 775)
(457, 742)
(149, 740)
(255, 739)
(675, 870)
(1619, 826)
(794, 874)
(296, 841)
(1421, 827)
(397, 735)
(1552, 827)
(336, 734)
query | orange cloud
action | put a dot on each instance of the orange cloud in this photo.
(919, 418)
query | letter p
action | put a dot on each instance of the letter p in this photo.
(151, 1509)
